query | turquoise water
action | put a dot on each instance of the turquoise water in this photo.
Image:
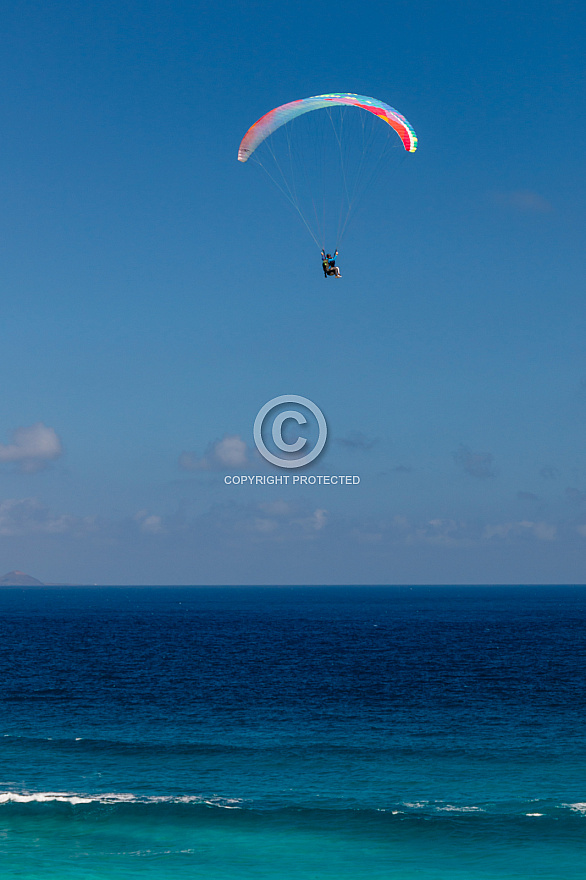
(293, 733)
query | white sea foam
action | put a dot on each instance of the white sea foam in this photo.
(535, 814)
(13, 797)
(579, 808)
(449, 808)
(443, 808)
(27, 797)
(157, 852)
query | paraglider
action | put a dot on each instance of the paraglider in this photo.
(329, 264)
(323, 162)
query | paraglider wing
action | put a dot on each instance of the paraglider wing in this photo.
(323, 163)
(274, 119)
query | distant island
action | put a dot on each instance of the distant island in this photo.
(19, 579)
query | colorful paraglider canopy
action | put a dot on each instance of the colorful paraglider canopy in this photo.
(274, 119)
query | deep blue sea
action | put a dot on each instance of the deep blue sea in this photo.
(293, 733)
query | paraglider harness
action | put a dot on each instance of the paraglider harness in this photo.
(328, 263)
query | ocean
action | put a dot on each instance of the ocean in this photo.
(435, 733)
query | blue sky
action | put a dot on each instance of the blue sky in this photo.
(144, 322)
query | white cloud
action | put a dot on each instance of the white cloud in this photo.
(32, 447)
(149, 523)
(315, 522)
(320, 518)
(264, 525)
(459, 533)
(541, 530)
(152, 524)
(442, 532)
(544, 531)
(229, 452)
(276, 520)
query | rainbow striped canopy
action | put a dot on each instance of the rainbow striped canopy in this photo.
(274, 119)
